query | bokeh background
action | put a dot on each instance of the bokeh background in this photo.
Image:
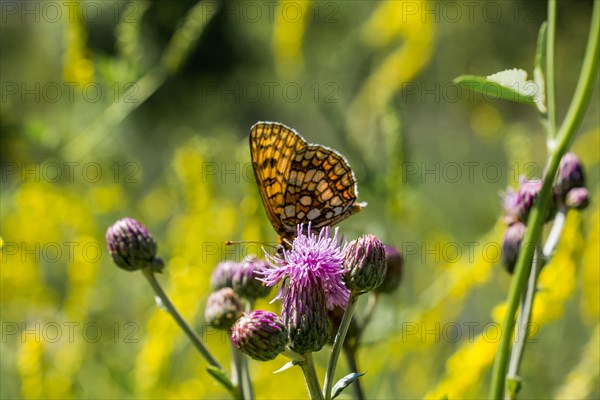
(142, 109)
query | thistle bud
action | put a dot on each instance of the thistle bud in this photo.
(260, 334)
(528, 192)
(243, 279)
(577, 198)
(221, 276)
(131, 246)
(304, 313)
(570, 174)
(393, 274)
(511, 245)
(366, 264)
(223, 308)
(509, 204)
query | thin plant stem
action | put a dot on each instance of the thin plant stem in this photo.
(166, 303)
(246, 381)
(550, 75)
(539, 261)
(368, 312)
(236, 368)
(522, 328)
(538, 213)
(350, 353)
(311, 378)
(555, 233)
(338, 344)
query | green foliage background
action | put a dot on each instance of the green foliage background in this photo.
(163, 96)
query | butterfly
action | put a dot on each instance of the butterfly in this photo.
(300, 182)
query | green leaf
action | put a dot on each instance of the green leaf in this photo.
(344, 383)
(540, 51)
(539, 72)
(511, 84)
(220, 376)
(286, 366)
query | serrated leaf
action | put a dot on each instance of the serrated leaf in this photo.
(220, 376)
(509, 85)
(344, 383)
(539, 72)
(286, 366)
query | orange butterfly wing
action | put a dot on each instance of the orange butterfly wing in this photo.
(300, 182)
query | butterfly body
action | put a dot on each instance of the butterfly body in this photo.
(300, 182)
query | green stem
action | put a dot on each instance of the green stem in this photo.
(236, 368)
(350, 353)
(166, 302)
(565, 135)
(246, 381)
(550, 76)
(311, 378)
(337, 345)
(522, 328)
(368, 313)
(539, 261)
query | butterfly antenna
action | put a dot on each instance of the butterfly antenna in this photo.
(232, 242)
(271, 246)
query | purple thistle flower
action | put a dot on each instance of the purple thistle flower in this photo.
(244, 279)
(223, 308)
(570, 174)
(511, 245)
(304, 313)
(528, 192)
(509, 204)
(131, 246)
(312, 261)
(577, 198)
(221, 276)
(260, 334)
(366, 264)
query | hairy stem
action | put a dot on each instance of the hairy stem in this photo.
(310, 376)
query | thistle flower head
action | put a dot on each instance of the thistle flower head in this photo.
(509, 204)
(313, 261)
(511, 245)
(528, 192)
(260, 334)
(244, 278)
(241, 277)
(304, 314)
(131, 246)
(570, 174)
(577, 198)
(365, 264)
(222, 275)
(223, 308)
